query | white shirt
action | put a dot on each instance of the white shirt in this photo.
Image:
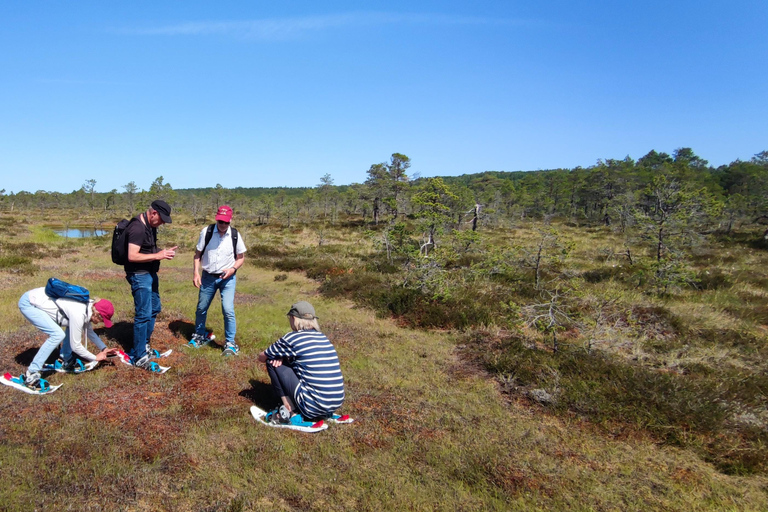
(218, 256)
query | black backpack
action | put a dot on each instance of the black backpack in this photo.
(209, 235)
(120, 242)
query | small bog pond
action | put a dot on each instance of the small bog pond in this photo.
(79, 232)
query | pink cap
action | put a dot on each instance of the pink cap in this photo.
(224, 213)
(106, 310)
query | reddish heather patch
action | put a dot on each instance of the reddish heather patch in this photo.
(154, 411)
(515, 480)
(389, 416)
(18, 348)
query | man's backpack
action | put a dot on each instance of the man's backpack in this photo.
(209, 235)
(120, 243)
(58, 289)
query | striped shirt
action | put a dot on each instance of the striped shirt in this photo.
(314, 360)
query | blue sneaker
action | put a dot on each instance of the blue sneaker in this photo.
(231, 349)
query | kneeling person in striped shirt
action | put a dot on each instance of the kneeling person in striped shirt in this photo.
(304, 369)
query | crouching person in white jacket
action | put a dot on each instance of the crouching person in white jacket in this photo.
(77, 319)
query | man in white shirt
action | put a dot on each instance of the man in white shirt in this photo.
(220, 251)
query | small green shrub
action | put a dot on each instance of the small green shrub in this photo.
(598, 275)
(294, 263)
(269, 250)
(19, 264)
(713, 279)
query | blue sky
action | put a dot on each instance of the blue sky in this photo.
(252, 93)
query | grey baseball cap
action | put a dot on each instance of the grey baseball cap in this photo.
(303, 309)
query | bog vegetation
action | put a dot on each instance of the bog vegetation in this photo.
(625, 301)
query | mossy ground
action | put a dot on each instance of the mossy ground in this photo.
(434, 431)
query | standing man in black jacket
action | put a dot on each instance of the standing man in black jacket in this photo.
(141, 272)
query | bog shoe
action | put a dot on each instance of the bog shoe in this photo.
(35, 382)
(145, 364)
(201, 340)
(70, 366)
(279, 416)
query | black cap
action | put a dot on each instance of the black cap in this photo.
(163, 209)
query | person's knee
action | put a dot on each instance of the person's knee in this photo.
(202, 306)
(142, 315)
(57, 337)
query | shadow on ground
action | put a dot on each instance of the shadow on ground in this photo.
(182, 328)
(260, 393)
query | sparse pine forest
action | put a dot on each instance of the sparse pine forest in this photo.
(627, 300)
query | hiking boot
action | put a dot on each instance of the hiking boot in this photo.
(145, 364)
(201, 340)
(231, 349)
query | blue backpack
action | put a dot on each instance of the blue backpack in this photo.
(57, 289)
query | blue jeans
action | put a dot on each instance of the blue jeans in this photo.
(45, 323)
(146, 301)
(226, 287)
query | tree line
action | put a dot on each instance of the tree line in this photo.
(658, 188)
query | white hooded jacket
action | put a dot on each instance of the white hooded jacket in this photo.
(73, 316)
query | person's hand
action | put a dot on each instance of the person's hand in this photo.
(275, 362)
(104, 354)
(228, 273)
(168, 254)
(196, 280)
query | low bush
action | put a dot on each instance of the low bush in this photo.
(680, 410)
(601, 274)
(19, 264)
(713, 279)
(269, 250)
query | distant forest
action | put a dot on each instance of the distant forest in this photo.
(611, 192)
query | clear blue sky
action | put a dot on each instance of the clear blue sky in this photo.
(254, 93)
